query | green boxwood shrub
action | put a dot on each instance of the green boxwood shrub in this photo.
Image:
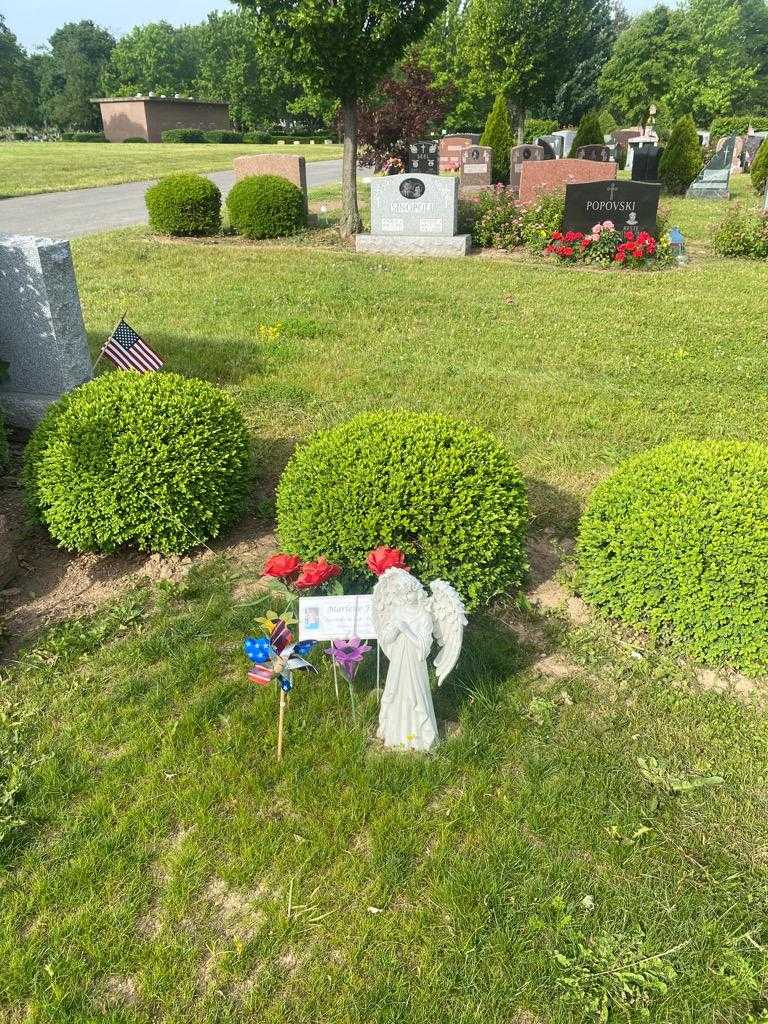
(258, 138)
(183, 135)
(222, 136)
(83, 137)
(742, 234)
(184, 204)
(759, 169)
(265, 206)
(681, 160)
(154, 460)
(676, 543)
(136, 138)
(448, 495)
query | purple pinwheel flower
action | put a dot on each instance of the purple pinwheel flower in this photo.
(348, 654)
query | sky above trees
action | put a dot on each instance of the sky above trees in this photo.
(33, 21)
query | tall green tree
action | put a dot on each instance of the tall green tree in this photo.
(578, 94)
(236, 68)
(681, 160)
(70, 74)
(157, 57)
(339, 50)
(520, 48)
(17, 83)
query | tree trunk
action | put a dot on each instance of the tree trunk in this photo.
(350, 222)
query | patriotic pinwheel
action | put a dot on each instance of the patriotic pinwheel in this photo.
(277, 657)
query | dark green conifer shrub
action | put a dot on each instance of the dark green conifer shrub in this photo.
(589, 133)
(759, 169)
(498, 135)
(681, 160)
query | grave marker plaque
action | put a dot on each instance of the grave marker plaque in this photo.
(712, 180)
(518, 156)
(424, 157)
(631, 205)
(476, 167)
(598, 153)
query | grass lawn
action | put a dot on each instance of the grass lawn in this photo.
(27, 167)
(543, 866)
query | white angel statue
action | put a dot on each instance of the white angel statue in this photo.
(406, 621)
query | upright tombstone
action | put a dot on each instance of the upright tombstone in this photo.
(451, 147)
(424, 157)
(630, 205)
(537, 179)
(752, 144)
(600, 154)
(552, 146)
(476, 167)
(42, 337)
(518, 156)
(567, 135)
(292, 168)
(645, 163)
(712, 180)
(414, 215)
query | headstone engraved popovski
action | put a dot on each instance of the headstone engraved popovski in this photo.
(630, 205)
(42, 337)
(476, 167)
(414, 214)
(518, 156)
(424, 157)
(712, 180)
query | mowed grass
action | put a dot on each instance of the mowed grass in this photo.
(529, 871)
(30, 167)
(555, 861)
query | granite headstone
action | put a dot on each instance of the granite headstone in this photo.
(451, 147)
(424, 157)
(552, 146)
(42, 337)
(712, 180)
(630, 205)
(567, 135)
(414, 215)
(476, 167)
(601, 153)
(519, 155)
(645, 164)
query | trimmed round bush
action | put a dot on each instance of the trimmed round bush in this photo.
(265, 206)
(759, 169)
(448, 495)
(183, 135)
(153, 460)
(259, 138)
(676, 543)
(184, 204)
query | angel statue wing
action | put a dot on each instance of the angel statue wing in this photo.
(449, 620)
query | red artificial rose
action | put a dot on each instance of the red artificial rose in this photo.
(566, 250)
(585, 242)
(383, 558)
(573, 236)
(557, 236)
(314, 573)
(628, 236)
(620, 257)
(282, 566)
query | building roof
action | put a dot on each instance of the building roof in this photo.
(158, 99)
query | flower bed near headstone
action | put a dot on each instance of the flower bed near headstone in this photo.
(606, 245)
(496, 220)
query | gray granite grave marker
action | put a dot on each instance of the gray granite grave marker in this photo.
(42, 337)
(476, 167)
(519, 155)
(712, 180)
(552, 146)
(413, 215)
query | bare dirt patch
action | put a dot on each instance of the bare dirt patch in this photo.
(119, 990)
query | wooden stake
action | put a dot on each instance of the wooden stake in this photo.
(280, 723)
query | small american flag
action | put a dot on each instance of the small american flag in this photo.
(129, 352)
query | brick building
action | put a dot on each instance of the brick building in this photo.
(147, 117)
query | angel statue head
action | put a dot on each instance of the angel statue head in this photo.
(408, 621)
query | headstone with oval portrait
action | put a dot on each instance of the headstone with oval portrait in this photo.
(476, 167)
(519, 155)
(414, 214)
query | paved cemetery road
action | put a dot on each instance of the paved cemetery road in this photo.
(86, 210)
